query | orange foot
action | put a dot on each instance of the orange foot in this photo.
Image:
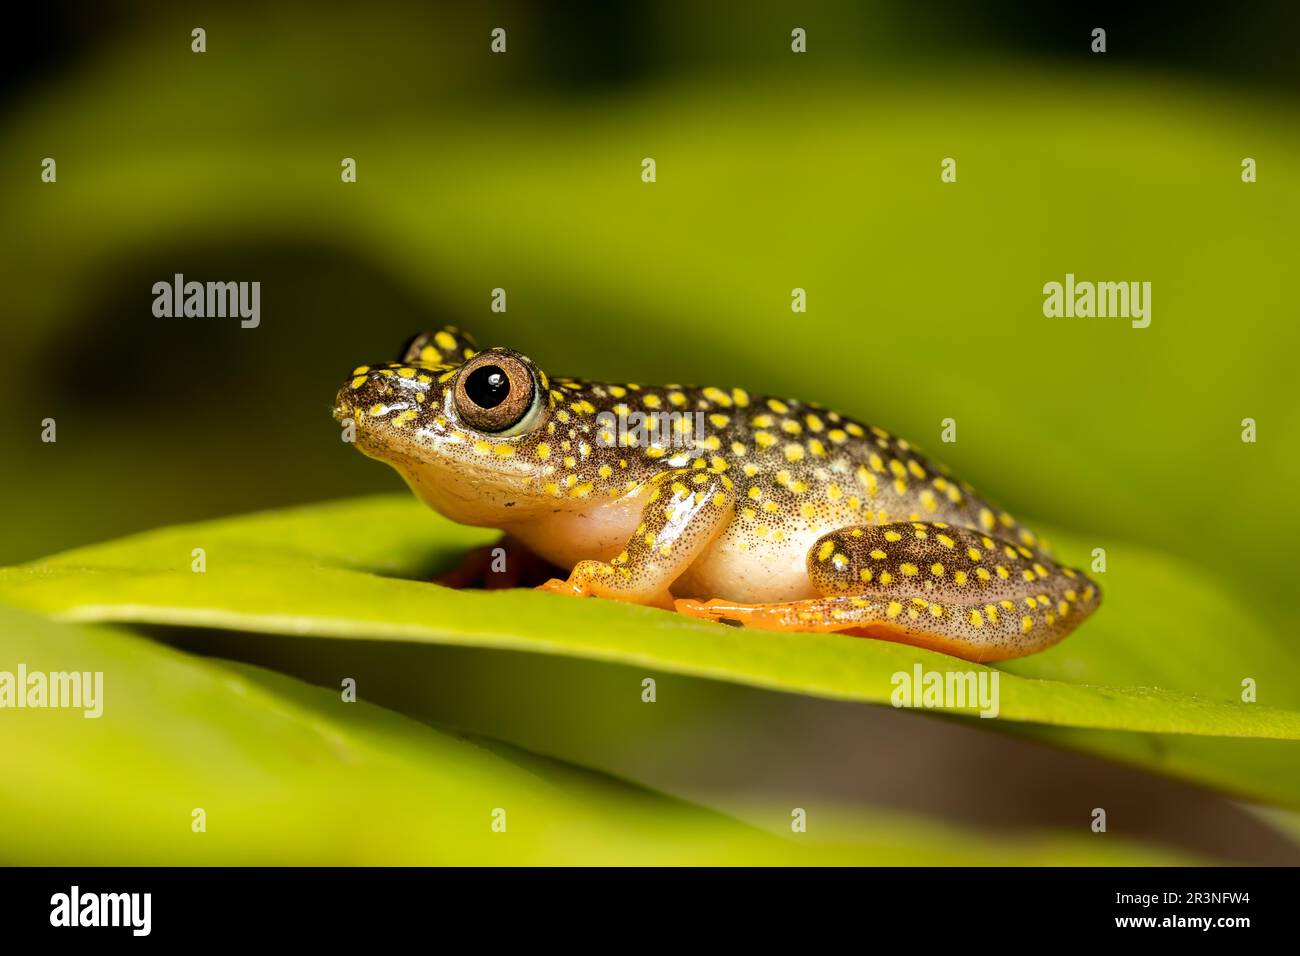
(578, 585)
(558, 586)
(784, 616)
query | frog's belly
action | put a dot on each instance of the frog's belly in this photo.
(739, 567)
(566, 537)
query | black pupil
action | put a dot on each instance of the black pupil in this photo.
(487, 386)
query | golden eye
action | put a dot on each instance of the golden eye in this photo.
(494, 392)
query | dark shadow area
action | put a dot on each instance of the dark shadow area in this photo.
(733, 748)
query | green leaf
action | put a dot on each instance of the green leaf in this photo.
(341, 571)
(288, 773)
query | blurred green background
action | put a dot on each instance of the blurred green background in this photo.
(775, 171)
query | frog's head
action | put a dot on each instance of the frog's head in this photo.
(464, 434)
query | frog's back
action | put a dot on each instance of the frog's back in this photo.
(799, 469)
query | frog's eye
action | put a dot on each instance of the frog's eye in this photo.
(494, 392)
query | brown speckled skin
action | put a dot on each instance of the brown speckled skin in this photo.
(784, 513)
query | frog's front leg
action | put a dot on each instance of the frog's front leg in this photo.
(955, 590)
(684, 511)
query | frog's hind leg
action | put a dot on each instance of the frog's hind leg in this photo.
(951, 589)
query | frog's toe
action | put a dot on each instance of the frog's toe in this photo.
(560, 586)
(785, 616)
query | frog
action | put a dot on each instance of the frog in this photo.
(742, 509)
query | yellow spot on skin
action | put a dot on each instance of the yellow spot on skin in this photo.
(503, 451)
(946, 541)
(740, 397)
(894, 609)
(886, 577)
(878, 555)
(406, 373)
(764, 439)
(855, 429)
(677, 399)
(813, 422)
(717, 396)
(837, 436)
(1029, 576)
(771, 507)
(893, 536)
(778, 406)
(605, 471)
(916, 469)
(834, 492)
(794, 452)
(986, 520)
(936, 569)
(865, 575)
(960, 577)
(897, 468)
(1026, 623)
(976, 618)
(359, 381)
(719, 421)
(446, 341)
(791, 427)
(982, 574)
(807, 510)
(907, 569)
(936, 610)
(1002, 572)
(570, 462)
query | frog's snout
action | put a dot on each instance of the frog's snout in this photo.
(395, 394)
